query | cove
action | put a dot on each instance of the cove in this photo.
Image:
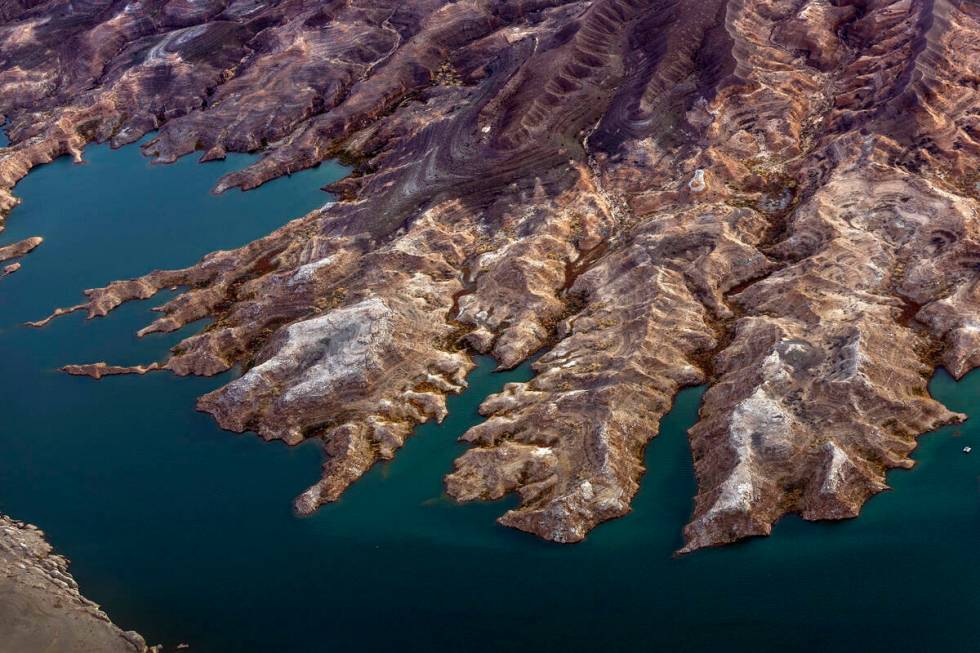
(184, 532)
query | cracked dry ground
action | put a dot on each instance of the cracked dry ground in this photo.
(776, 197)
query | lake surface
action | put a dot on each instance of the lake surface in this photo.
(185, 532)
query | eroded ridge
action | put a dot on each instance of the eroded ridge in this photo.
(778, 198)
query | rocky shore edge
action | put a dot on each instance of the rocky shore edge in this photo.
(41, 607)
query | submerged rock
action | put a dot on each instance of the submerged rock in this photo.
(777, 198)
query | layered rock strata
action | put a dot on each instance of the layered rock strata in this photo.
(777, 197)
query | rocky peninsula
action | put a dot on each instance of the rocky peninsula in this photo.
(778, 198)
(16, 250)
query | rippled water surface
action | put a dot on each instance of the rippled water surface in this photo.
(184, 532)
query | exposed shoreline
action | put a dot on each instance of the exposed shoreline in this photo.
(41, 606)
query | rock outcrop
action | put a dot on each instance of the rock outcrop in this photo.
(776, 197)
(19, 248)
(16, 250)
(41, 608)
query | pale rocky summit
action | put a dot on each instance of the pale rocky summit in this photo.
(776, 197)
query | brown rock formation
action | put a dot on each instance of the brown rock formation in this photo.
(778, 197)
(19, 248)
(41, 608)
(16, 250)
(98, 370)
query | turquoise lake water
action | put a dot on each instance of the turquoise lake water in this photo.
(185, 532)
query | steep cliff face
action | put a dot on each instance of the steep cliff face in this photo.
(778, 197)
